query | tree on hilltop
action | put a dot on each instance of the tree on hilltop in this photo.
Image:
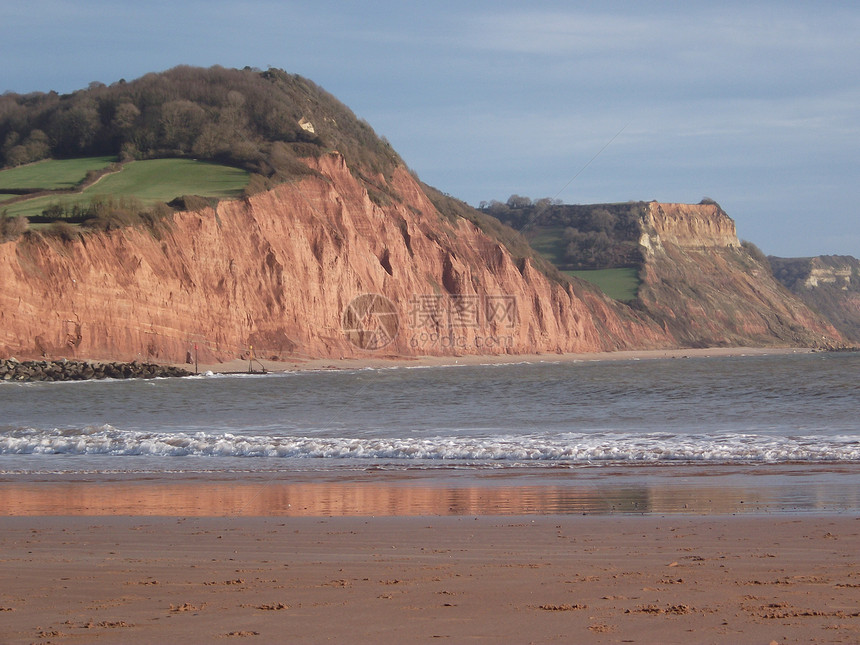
(248, 118)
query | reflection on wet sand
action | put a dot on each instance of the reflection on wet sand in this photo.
(368, 498)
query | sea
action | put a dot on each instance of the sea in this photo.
(778, 432)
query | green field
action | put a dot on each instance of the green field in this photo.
(150, 182)
(549, 242)
(53, 173)
(620, 284)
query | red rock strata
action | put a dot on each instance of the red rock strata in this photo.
(276, 272)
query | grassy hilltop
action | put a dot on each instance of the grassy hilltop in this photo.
(146, 183)
(260, 121)
(129, 147)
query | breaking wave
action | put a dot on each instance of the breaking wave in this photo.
(569, 447)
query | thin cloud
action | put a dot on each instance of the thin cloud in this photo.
(753, 104)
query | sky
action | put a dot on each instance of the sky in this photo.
(755, 105)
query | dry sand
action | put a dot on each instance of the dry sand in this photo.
(515, 579)
(381, 360)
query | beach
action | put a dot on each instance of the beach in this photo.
(496, 579)
(585, 500)
(379, 360)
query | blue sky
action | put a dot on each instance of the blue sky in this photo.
(756, 105)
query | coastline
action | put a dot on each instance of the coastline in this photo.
(76, 370)
(755, 552)
(379, 360)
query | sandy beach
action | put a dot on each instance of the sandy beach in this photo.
(360, 552)
(379, 360)
(513, 579)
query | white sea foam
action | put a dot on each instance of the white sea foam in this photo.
(571, 447)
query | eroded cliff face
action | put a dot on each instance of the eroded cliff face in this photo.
(829, 284)
(706, 289)
(317, 269)
(687, 226)
(278, 271)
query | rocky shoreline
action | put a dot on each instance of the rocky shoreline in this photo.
(65, 370)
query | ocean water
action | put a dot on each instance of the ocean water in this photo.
(722, 411)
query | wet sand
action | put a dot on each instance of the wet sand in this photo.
(513, 579)
(695, 489)
(584, 556)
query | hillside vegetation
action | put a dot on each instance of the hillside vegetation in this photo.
(52, 174)
(260, 121)
(620, 283)
(148, 182)
(598, 243)
(574, 236)
(149, 138)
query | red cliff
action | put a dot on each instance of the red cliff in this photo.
(278, 271)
